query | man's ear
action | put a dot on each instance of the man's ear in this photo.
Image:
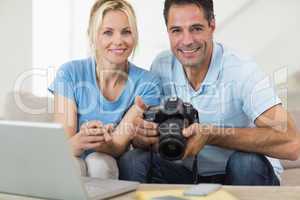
(212, 25)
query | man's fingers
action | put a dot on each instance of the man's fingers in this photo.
(146, 132)
(152, 140)
(147, 140)
(141, 106)
(190, 131)
(141, 123)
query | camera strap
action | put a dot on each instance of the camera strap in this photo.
(150, 170)
(195, 170)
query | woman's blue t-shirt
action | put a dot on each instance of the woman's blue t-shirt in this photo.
(76, 80)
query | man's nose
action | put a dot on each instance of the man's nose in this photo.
(187, 38)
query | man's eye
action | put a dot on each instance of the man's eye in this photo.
(175, 31)
(197, 29)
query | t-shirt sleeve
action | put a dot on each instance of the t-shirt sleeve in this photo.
(258, 93)
(63, 84)
(159, 67)
(151, 94)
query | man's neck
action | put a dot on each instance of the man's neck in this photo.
(196, 75)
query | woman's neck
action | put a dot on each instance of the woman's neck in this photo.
(111, 75)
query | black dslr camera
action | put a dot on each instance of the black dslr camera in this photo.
(172, 117)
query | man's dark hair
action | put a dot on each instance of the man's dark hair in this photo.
(206, 5)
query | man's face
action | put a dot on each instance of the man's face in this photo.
(190, 34)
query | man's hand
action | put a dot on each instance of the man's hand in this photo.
(197, 137)
(145, 132)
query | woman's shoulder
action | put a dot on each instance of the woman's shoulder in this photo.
(77, 65)
(77, 69)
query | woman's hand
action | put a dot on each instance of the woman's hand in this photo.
(91, 135)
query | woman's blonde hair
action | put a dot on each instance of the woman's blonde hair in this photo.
(98, 11)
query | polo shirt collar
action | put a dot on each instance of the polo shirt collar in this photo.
(213, 70)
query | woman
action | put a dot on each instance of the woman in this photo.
(94, 97)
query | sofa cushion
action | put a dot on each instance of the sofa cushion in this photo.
(290, 164)
(24, 106)
(290, 177)
(295, 113)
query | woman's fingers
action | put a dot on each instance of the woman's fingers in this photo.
(107, 137)
(110, 128)
(91, 124)
(88, 146)
(94, 131)
(93, 139)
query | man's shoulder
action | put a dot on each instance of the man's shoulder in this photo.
(163, 62)
(164, 58)
(237, 64)
(164, 55)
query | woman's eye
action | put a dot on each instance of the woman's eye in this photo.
(127, 32)
(109, 33)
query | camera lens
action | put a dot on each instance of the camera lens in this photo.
(171, 149)
(171, 141)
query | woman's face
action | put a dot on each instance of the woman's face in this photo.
(115, 40)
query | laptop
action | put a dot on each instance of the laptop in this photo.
(36, 161)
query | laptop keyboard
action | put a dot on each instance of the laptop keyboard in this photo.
(93, 190)
(102, 188)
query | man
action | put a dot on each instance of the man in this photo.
(241, 117)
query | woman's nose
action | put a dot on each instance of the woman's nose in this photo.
(117, 39)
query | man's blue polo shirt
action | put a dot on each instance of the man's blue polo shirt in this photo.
(233, 94)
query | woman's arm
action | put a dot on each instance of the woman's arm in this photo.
(89, 136)
(122, 134)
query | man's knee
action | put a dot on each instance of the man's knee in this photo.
(102, 165)
(134, 165)
(249, 169)
(242, 161)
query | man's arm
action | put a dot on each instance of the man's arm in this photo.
(275, 136)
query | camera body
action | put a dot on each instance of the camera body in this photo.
(172, 117)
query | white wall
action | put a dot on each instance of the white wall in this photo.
(15, 44)
(266, 29)
(269, 31)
